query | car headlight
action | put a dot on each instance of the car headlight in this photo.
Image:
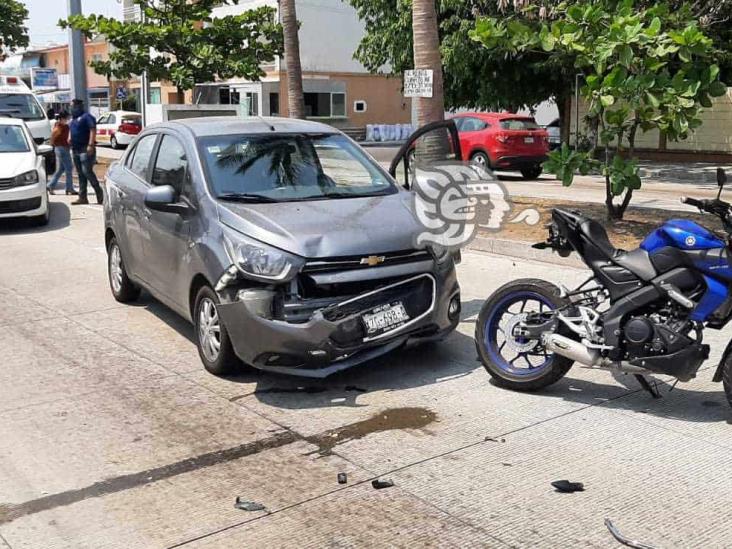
(27, 178)
(258, 261)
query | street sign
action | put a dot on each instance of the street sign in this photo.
(418, 83)
(44, 79)
(121, 93)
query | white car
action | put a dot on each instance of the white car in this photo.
(118, 128)
(22, 173)
(17, 100)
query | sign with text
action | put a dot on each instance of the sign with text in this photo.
(44, 79)
(418, 83)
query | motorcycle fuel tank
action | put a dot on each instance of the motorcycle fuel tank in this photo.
(682, 234)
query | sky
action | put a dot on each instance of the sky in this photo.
(44, 14)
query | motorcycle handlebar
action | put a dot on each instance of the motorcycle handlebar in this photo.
(693, 202)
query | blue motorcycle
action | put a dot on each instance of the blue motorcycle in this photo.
(641, 312)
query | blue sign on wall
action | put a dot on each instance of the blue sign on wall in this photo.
(44, 79)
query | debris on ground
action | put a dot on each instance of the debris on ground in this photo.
(623, 540)
(379, 484)
(568, 487)
(491, 439)
(245, 505)
(342, 478)
(354, 389)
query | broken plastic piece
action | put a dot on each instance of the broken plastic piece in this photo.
(568, 487)
(491, 439)
(248, 505)
(622, 539)
(342, 478)
(379, 484)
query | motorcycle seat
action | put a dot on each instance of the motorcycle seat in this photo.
(636, 261)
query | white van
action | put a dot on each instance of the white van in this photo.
(18, 101)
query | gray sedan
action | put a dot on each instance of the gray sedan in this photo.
(287, 246)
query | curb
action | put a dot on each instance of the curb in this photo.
(523, 250)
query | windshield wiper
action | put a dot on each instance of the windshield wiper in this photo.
(353, 195)
(246, 197)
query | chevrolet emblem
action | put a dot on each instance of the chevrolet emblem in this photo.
(373, 260)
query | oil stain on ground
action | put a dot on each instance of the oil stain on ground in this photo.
(393, 419)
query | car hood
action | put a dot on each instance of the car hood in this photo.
(329, 228)
(12, 164)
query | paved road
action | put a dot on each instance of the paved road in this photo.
(114, 436)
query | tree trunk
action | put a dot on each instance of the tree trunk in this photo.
(564, 106)
(427, 56)
(434, 146)
(295, 96)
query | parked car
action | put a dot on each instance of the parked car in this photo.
(554, 131)
(17, 100)
(503, 141)
(286, 245)
(118, 128)
(22, 173)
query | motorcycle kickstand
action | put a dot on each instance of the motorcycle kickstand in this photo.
(652, 389)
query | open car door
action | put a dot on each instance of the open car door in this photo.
(432, 143)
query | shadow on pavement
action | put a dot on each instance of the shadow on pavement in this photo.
(60, 219)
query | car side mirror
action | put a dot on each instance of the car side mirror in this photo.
(165, 199)
(44, 150)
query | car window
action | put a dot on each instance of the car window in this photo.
(103, 119)
(140, 159)
(112, 119)
(473, 125)
(519, 124)
(13, 140)
(171, 164)
(21, 105)
(459, 123)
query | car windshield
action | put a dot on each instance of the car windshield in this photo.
(12, 140)
(519, 124)
(20, 105)
(289, 167)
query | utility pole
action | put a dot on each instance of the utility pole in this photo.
(77, 59)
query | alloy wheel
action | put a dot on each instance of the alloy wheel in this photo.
(209, 329)
(115, 268)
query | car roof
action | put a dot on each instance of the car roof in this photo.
(8, 121)
(231, 125)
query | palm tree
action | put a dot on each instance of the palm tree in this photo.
(427, 56)
(295, 97)
(435, 145)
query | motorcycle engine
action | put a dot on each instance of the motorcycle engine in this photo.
(653, 336)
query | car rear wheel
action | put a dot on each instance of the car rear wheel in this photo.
(123, 289)
(113, 142)
(481, 159)
(212, 339)
(532, 173)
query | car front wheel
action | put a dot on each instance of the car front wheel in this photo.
(212, 339)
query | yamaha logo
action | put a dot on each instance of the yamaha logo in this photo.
(690, 241)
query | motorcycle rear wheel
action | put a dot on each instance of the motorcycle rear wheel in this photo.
(531, 368)
(727, 378)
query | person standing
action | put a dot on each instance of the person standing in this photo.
(60, 144)
(83, 141)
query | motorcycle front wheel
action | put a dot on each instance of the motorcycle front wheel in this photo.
(513, 362)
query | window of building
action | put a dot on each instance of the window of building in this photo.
(325, 105)
(359, 106)
(274, 104)
(155, 96)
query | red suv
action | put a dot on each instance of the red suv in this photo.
(503, 141)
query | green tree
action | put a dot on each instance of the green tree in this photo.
(474, 78)
(180, 42)
(13, 32)
(644, 69)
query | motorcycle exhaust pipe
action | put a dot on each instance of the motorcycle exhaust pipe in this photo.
(573, 350)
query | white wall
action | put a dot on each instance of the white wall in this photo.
(330, 32)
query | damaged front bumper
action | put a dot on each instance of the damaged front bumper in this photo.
(333, 335)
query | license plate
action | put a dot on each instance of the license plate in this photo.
(385, 318)
(528, 139)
